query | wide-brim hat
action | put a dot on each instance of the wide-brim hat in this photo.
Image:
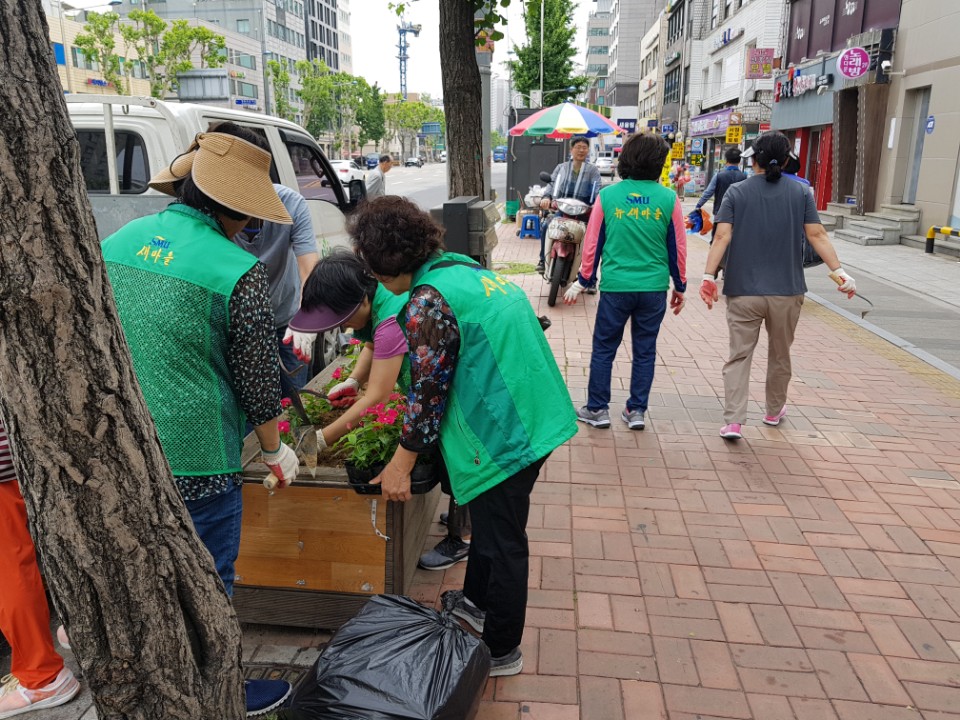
(320, 318)
(230, 171)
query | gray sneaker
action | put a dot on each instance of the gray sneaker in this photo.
(447, 553)
(633, 419)
(509, 664)
(456, 603)
(597, 418)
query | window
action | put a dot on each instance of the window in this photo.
(133, 170)
(599, 50)
(728, 8)
(246, 89)
(312, 178)
(600, 100)
(671, 86)
(243, 26)
(675, 24)
(601, 83)
(80, 60)
(715, 14)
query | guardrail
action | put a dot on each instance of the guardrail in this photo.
(935, 230)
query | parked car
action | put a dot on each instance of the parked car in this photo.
(372, 160)
(411, 161)
(605, 165)
(348, 171)
(443, 156)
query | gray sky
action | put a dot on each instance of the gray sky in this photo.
(374, 31)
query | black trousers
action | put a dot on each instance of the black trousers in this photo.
(499, 560)
(458, 516)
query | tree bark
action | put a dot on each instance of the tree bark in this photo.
(461, 97)
(148, 618)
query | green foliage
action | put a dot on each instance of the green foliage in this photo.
(97, 43)
(280, 79)
(370, 117)
(405, 119)
(316, 91)
(559, 50)
(377, 435)
(145, 36)
(486, 26)
(497, 138)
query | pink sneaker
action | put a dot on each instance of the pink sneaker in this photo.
(62, 638)
(774, 420)
(731, 432)
(16, 700)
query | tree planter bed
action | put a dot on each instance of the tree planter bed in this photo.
(313, 553)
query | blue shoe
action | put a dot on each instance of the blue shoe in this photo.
(265, 695)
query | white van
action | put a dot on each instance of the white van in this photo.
(148, 134)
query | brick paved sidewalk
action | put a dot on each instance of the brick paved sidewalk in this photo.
(809, 572)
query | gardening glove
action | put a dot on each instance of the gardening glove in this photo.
(302, 343)
(321, 441)
(572, 293)
(282, 462)
(676, 301)
(845, 282)
(344, 394)
(708, 290)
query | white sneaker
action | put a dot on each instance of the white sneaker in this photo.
(16, 700)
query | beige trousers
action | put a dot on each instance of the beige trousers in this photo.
(745, 313)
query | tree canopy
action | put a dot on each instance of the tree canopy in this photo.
(559, 49)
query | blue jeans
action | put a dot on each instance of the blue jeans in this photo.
(645, 310)
(217, 521)
(293, 372)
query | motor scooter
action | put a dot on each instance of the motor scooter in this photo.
(565, 235)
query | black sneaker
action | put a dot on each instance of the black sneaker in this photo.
(509, 664)
(447, 553)
(265, 695)
(541, 267)
(456, 603)
(444, 518)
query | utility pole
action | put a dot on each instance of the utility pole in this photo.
(403, 28)
(263, 64)
(541, 52)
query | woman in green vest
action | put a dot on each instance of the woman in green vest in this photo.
(486, 389)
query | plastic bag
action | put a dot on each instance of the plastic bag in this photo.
(396, 660)
(534, 196)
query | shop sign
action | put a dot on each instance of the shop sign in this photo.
(676, 153)
(652, 123)
(245, 101)
(696, 145)
(237, 74)
(736, 118)
(853, 63)
(725, 38)
(759, 63)
(931, 124)
(671, 59)
(796, 84)
(629, 125)
(696, 159)
(97, 82)
(764, 127)
(714, 123)
(734, 135)
(668, 128)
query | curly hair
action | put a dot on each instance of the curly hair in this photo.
(393, 235)
(642, 157)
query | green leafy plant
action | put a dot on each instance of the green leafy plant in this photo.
(376, 436)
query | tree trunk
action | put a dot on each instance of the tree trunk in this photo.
(149, 621)
(461, 97)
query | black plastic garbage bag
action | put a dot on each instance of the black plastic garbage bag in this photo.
(396, 660)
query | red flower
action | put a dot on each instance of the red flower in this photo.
(286, 402)
(395, 396)
(354, 341)
(338, 373)
(283, 426)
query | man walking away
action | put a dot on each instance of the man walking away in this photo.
(725, 177)
(376, 181)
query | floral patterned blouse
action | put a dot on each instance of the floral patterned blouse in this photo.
(255, 365)
(434, 339)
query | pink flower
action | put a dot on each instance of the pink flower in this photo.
(338, 373)
(283, 426)
(395, 396)
(380, 407)
(286, 402)
(391, 416)
(354, 341)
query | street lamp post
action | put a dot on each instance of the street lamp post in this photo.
(570, 89)
(541, 50)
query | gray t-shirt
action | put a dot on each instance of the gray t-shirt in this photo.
(278, 247)
(765, 256)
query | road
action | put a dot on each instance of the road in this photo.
(427, 186)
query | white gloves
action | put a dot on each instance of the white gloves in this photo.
(283, 463)
(302, 343)
(344, 394)
(321, 441)
(573, 292)
(844, 281)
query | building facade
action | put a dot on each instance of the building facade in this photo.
(322, 23)
(499, 104)
(629, 22)
(597, 63)
(346, 38)
(920, 143)
(651, 77)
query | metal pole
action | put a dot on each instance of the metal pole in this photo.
(66, 58)
(541, 52)
(263, 63)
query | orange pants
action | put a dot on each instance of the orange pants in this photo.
(24, 614)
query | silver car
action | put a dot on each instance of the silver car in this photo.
(605, 165)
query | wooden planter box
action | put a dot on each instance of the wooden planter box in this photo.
(310, 554)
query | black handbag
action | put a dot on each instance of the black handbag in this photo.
(810, 256)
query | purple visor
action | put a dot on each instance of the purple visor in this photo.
(320, 319)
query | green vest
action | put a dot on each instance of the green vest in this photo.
(508, 405)
(635, 258)
(173, 274)
(385, 304)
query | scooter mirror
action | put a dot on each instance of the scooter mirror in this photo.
(546, 177)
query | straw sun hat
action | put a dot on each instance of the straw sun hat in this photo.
(230, 171)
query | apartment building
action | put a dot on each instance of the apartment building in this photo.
(629, 22)
(651, 77)
(597, 63)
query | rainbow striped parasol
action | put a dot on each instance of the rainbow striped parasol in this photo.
(566, 120)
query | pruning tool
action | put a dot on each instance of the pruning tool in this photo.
(839, 281)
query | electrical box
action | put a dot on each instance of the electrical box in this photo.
(470, 225)
(527, 157)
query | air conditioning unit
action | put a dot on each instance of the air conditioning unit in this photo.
(695, 108)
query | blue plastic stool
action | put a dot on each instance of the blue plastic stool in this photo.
(530, 226)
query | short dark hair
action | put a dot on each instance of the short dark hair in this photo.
(393, 235)
(385, 158)
(771, 151)
(189, 194)
(340, 281)
(577, 139)
(732, 156)
(642, 157)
